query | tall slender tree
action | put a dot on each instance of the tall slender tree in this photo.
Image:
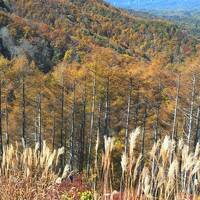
(54, 131)
(1, 131)
(62, 102)
(91, 125)
(99, 135)
(72, 134)
(82, 131)
(197, 131)
(158, 105)
(128, 115)
(7, 125)
(107, 109)
(137, 110)
(190, 126)
(98, 143)
(176, 108)
(62, 113)
(39, 120)
(144, 120)
(24, 137)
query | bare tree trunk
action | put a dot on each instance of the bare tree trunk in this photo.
(107, 109)
(36, 125)
(99, 134)
(62, 157)
(98, 143)
(53, 131)
(82, 133)
(158, 105)
(143, 132)
(137, 109)
(197, 134)
(7, 125)
(40, 122)
(128, 116)
(191, 111)
(175, 124)
(91, 126)
(24, 139)
(71, 159)
(156, 130)
(1, 132)
(62, 115)
(176, 107)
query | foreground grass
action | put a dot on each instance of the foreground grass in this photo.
(32, 174)
(170, 171)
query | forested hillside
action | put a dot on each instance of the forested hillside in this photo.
(76, 77)
(82, 37)
(58, 26)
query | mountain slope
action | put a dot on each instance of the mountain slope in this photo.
(45, 30)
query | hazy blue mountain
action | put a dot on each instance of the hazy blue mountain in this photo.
(157, 4)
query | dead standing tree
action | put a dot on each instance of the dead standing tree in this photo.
(157, 135)
(1, 132)
(190, 126)
(53, 131)
(23, 107)
(158, 107)
(137, 109)
(72, 134)
(39, 121)
(81, 146)
(107, 109)
(7, 125)
(62, 141)
(144, 121)
(176, 108)
(62, 114)
(91, 125)
(197, 131)
(128, 116)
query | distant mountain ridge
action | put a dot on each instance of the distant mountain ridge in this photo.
(157, 4)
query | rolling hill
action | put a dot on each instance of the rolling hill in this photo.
(45, 30)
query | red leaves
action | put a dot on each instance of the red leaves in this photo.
(70, 188)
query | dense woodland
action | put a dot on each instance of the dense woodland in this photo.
(73, 72)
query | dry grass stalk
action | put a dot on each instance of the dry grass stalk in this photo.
(28, 174)
(168, 172)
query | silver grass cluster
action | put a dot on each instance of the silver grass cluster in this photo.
(174, 170)
(29, 161)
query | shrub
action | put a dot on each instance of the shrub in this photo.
(87, 195)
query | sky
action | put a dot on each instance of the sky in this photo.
(157, 4)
